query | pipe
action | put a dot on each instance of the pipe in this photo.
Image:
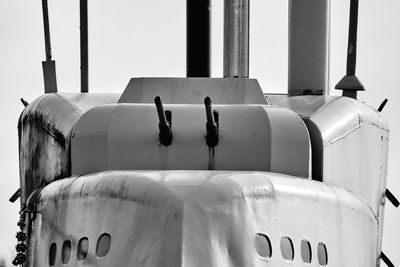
(160, 112)
(352, 41)
(49, 66)
(236, 38)
(84, 46)
(198, 38)
(308, 71)
(46, 25)
(164, 124)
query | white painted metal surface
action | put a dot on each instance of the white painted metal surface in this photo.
(304, 106)
(356, 140)
(354, 146)
(201, 218)
(193, 91)
(252, 137)
(210, 218)
(44, 136)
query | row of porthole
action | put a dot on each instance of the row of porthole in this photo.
(264, 249)
(102, 248)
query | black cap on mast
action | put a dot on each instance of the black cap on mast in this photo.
(350, 83)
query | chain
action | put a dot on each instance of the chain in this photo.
(21, 236)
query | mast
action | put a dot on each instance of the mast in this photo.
(198, 38)
(49, 66)
(84, 46)
(350, 83)
(236, 38)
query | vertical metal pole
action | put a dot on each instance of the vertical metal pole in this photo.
(46, 30)
(352, 41)
(236, 38)
(49, 66)
(350, 83)
(308, 71)
(84, 46)
(198, 28)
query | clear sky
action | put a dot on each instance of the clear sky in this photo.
(147, 38)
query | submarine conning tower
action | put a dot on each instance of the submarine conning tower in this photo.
(200, 123)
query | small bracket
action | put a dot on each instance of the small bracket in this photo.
(386, 260)
(382, 105)
(15, 196)
(392, 198)
(49, 75)
(24, 102)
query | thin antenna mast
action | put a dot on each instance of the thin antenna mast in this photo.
(198, 25)
(49, 66)
(350, 83)
(46, 30)
(84, 46)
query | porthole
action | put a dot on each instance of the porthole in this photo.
(263, 245)
(83, 248)
(66, 251)
(322, 254)
(287, 249)
(103, 245)
(52, 254)
(306, 251)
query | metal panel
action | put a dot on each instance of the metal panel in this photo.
(202, 218)
(193, 91)
(355, 139)
(358, 162)
(44, 136)
(351, 139)
(126, 137)
(49, 75)
(304, 106)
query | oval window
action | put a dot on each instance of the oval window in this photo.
(263, 245)
(322, 254)
(66, 251)
(287, 248)
(52, 254)
(83, 248)
(306, 251)
(103, 245)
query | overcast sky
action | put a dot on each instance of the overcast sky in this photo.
(147, 38)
